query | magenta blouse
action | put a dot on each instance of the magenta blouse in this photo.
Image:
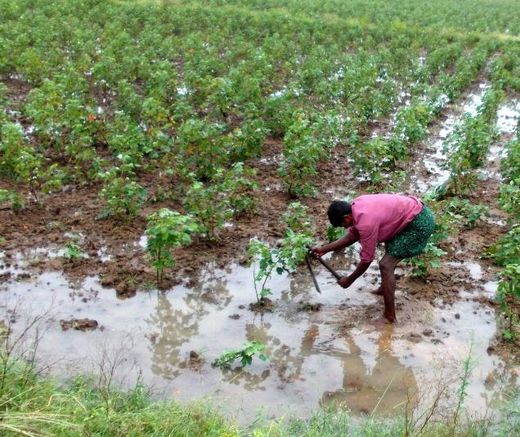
(379, 218)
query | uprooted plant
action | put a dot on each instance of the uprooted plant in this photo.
(246, 353)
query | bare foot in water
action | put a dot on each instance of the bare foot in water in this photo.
(381, 322)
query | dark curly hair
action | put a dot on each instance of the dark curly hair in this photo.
(337, 210)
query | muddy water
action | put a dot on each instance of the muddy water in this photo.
(435, 159)
(317, 355)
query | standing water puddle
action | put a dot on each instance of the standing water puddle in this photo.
(317, 354)
(434, 162)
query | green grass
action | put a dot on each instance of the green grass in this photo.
(32, 405)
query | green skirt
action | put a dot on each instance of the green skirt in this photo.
(412, 240)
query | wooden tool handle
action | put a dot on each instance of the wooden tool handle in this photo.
(328, 267)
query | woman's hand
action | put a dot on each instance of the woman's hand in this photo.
(319, 251)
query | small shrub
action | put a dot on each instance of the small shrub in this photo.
(124, 198)
(12, 199)
(166, 231)
(508, 295)
(286, 258)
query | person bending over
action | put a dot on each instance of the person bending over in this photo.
(403, 223)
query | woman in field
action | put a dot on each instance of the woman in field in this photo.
(403, 223)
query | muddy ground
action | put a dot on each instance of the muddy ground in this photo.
(115, 248)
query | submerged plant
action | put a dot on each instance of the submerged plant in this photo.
(245, 354)
(167, 230)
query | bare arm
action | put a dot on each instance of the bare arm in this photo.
(341, 243)
(347, 281)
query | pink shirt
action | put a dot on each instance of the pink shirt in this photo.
(380, 217)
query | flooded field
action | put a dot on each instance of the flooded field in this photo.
(321, 348)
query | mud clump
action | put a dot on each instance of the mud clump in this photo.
(195, 361)
(414, 337)
(79, 324)
(125, 290)
(310, 307)
(262, 306)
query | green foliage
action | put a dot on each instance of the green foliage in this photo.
(286, 258)
(334, 234)
(297, 219)
(507, 248)
(412, 124)
(12, 199)
(226, 195)
(429, 259)
(468, 145)
(508, 296)
(123, 197)
(244, 354)
(511, 163)
(510, 197)
(73, 251)
(166, 231)
(290, 253)
(371, 159)
(301, 153)
(465, 212)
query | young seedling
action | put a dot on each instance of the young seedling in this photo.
(73, 251)
(167, 230)
(245, 354)
(286, 258)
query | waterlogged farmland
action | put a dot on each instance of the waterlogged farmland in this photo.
(163, 166)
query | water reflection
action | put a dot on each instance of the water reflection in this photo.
(173, 328)
(389, 386)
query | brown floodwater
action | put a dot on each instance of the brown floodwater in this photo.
(322, 348)
(317, 355)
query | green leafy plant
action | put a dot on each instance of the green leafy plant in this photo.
(297, 219)
(73, 251)
(226, 195)
(465, 212)
(167, 230)
(286, 258)
(507, 249)
(334, 233)
(301, 153)
(510, 197)
(245, 354)
(370, 159)
(123, 197)
(508, 296)
(429, 259)
(12, 199)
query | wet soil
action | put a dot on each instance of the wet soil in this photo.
(79, 324)
(323, 348)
